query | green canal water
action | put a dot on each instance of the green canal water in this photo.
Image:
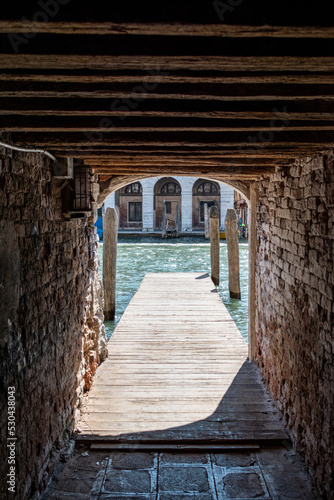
(138, 256)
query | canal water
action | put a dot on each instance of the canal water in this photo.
(138, 256)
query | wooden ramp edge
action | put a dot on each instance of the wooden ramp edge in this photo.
(177, 375)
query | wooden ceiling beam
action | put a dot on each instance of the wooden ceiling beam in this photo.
(214, 78)
(241, 140)
(143, 160)
(108, 154)
(259, 117)
(129, 90)
(50, 128)
(166, 29)
(195, 168)
(266, 64)
(211, 108)
(122, 45)
(181, 98)
(236, 173)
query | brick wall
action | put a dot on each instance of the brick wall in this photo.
(197, 223)
(159, 204)
(294, 287)
(124, 222)
(52, 334)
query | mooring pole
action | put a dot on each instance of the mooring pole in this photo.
(110, 231)
(252, 235)
(214, 240)
(178, 220)
(206, 222)
(231, 232)
(164, 215)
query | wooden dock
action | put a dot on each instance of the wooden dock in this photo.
(178, 373)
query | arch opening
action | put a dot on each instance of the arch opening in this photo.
(168, 192)
(204, 192)
(183, 188)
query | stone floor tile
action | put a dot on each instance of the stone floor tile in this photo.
(77, 482)
(232, 459)
(183, 479)
(92, 461)
(62, 495)
(289, 485)
(128, 481)
(275, 473)
(183, 458)
(280, 457)
(98, 483)
(243, 485)
(185, 496)
(134, 460)
(135, 496)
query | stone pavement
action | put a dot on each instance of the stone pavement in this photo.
(275, 473)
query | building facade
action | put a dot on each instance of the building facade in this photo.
(140, 204)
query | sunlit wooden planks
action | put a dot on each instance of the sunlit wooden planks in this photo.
(178, 371)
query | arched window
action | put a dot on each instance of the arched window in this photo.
(207, 188)
(170, 188)
(134, 188)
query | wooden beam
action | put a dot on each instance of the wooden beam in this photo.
(244, 171)
(122, 159)
(104, 152)
(267, 64)
(245, 140)
(267, 109)
(168, 29)
(101, 124)
(199, 165)
(213, 78)
(161, 46)
(141, 89)
(160, 130)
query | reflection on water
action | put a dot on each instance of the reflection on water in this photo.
(138, 256)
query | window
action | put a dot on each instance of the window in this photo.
(135, 211)
(134, 188)
(207, 188)
(170, 188)
(201, 208)
(168, 207)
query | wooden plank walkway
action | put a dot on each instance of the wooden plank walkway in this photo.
(178, 372)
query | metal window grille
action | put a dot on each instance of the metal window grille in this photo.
(82, 189)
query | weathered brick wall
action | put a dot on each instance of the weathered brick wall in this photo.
(124, 223)
(294, 288)
(51, 321)
(159, 204)
(197, 223)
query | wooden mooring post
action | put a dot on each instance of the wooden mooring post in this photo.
(178, 220)
(231, 233)
(110, 231)
(164, 215)
(206, 222)
(214, 240)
